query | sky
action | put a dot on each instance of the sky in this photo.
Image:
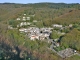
(38, 1)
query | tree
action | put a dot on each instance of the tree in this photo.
(71, 39)
(54, 35)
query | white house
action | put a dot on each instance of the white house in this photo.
(28, 23)
(41, 36)
(25, 23)
(24, 14)
(22, 30)
(70, 25)
(21, 24)
(24, 19)
(34, 21)
(46, 35)
(56, 25)
(28, 18)
(10, 27)
(33, 37)
(18, 19)
(17, 25)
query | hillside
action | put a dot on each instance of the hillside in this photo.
(69, 18)
(17, 46)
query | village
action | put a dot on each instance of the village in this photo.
(35, 33)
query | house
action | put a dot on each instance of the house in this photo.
(41, 37)
(35, 33)
(24, 14)
(24, 19)
(28, 23)
(17, 25)
(22, 29)
(25, 31)
(46, 35)
(18, 19)
(23, 24)
(10, 27)
(57, 44)
(34, 21)
(56, 25)
(33, 37)
(70, 25)
(28, 18)
(32, 15)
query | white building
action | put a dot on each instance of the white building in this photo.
(22, 30)
(10, 27)
(28, 18)
(18, 26)
(41, 37)
(33, 37)
(24, 19)
(34, 21)
(56, 25)
(24, 14)
(23, 24)
(28, 23)
(70, 25)
(18, 19)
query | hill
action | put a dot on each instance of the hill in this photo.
(11, 41)
(69, 18)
